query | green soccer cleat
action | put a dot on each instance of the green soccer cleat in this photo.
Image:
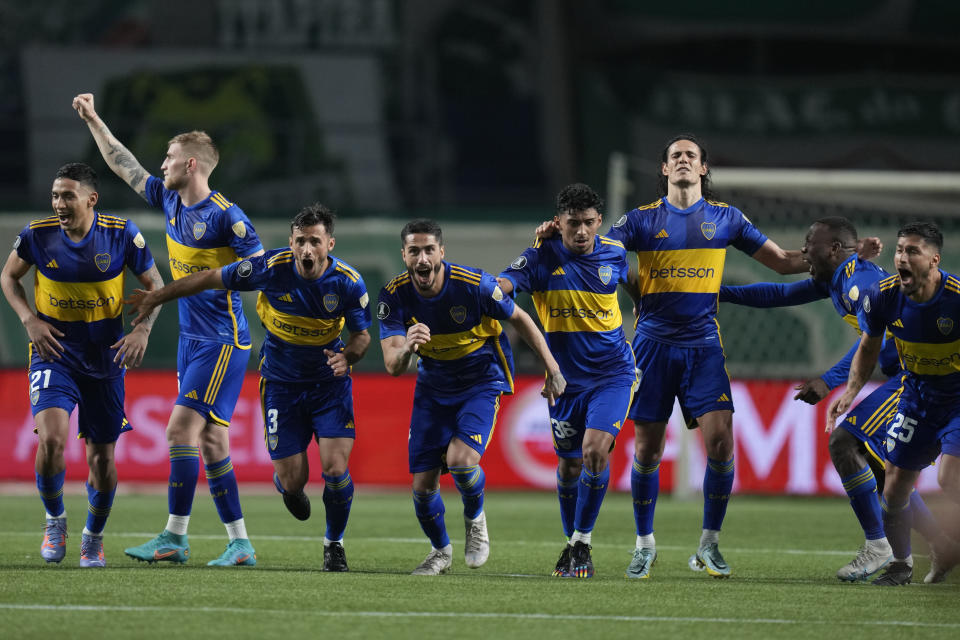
(166, 547)
(708, 558)
(643, 559)
(239, 552)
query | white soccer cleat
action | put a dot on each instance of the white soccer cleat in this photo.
(476, 548)
(870, 559)
(436, 562)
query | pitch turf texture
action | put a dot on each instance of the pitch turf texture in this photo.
(783, 552)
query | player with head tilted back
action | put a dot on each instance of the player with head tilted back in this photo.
(920, 306)
(78, 352)
(306, 297)
(204, 231)
(858, 447)
(573, 280)
(450, 316)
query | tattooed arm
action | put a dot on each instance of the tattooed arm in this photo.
(117, 156)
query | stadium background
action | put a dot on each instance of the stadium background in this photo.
(476, 114)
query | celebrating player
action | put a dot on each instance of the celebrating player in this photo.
(204, 231)
(450, 316)
(78, 352)
(306, 296)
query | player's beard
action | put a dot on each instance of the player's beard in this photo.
(431, 277)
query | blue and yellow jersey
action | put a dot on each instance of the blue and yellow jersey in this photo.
(576, 300)
(79, 285)
(680, 256)
(467, 347)
(927, 334)
(302, 317)
(208, 235)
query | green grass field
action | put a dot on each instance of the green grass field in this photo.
(783, 552)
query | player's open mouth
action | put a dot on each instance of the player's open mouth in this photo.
(308, 264)
(905, 276)
(64, 218)
(423, 273)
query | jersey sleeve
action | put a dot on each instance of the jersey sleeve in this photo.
(627, 230)
(390, 315)
(871, 317)
(243, 238)
(493, 302)
(23, 245)
(522, 271)
(154, 190)
(251, 274)
(838, 373)
(139, 258)
(357, 310)
(774, 294)
(747, 237)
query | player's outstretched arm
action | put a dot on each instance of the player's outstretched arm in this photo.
(353, 350)
(554, 385)
(774, 294)
(144, 302)
(780, 260)
(131, 347)
(398, 350)
(42, 334)
(117, 156)
(864, 360)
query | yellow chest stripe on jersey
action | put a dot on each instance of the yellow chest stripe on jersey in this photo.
(681, 270)
(297, 329)
(79, 301)
(185, 260)
(570, 311)
(930, 359)
(451, 346)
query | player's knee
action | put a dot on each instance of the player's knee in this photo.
(214, 443)
(595, 458)
(646, 453)
(100, 462)
(569, 468)
(51, 446)
(844, 449)
(719, 447)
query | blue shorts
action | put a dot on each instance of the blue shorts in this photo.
(209, 377)
(603, 408)
(868, 421)
(296, 413)
(436, 420)
(696, 375)
(926, 424)
(100, 416)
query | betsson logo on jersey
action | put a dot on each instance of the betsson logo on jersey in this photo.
(184, 267)
(682, 272)
(74, 303)
(574, 312)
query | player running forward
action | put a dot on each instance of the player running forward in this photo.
(920, 306)
(450, 316)
(78, 352)
(573, 280)
(306, 297)
(858, 447)
(204, 231)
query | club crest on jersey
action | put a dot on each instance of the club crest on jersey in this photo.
(35, 396)
(330, 301)
(272, 441)
(519, 263)
(383, 310)
(458, 313)
(605, 272)
(708, 229)
(102, 260)
(239, 229)
(198, 229)
(945, 325)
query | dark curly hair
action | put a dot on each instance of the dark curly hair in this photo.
(578, 197)
(82, 173)
(930, 233)
(312, 215)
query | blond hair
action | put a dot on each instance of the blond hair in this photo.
(197, 144)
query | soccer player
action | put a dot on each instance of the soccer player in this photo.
(204, 231)
(78, 351)
(306, 297)
(450, 316)
(857, 449)
(920, 306)
(573, 280)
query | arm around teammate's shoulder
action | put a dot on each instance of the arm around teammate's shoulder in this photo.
(784, 262)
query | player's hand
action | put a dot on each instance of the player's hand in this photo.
(44, 336)
(553, 386)
(141, 303)
(131, 347)
(417, 335)
(83, 103)
(812, 391)
(338, 362)
(837, 408)
(547, 229)
(869, 248)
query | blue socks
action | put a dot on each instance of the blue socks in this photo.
(470, 483)
(337, 500)
(591, 489)
(98, 508)
(51, 492)
(717, 485)
(429, 509)
(645, 487)
(861, 488)
(567, 494)
(223, 487)
(184, 468)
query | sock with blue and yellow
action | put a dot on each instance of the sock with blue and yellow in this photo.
(226, 496)
(567, 494)
(429, 509)
(644, 487)
(717, 485)
(51, 493)
(99, 504)
(591, 488)
(470, 483)
(337, 500)
(861, 488)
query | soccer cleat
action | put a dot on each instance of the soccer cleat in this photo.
(562, 569)
(708, 558)
(898, 573)
(297, 504)
(868, 561)
(643, 559)
(476, 547)
(239, 551)
(436, 562)
(942, 560)
(581, 564)
(91, 551)
(54, 546)
(166, 547)
(334, 557)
